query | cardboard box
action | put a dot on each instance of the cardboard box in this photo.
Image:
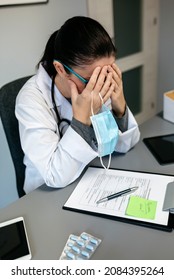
(168, 106)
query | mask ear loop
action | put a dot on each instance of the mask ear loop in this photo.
(92, 112)
(92, 101)
(109, 162)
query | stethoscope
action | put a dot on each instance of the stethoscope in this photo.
(59, 120)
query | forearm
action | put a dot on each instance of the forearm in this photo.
(85, 131)
(123, 121)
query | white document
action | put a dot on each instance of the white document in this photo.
(98, 183)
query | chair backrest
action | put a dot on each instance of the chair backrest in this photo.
(8, 95)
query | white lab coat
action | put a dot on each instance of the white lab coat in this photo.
(49, 159)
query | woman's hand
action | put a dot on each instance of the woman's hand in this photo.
(117, 97)
(100, 82)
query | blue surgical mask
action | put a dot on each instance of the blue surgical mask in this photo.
(106, 131)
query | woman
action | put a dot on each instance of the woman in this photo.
(54, 107)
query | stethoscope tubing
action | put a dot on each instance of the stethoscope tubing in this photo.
(59, 120)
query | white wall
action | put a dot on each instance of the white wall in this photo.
(166, 50)
(24, 31)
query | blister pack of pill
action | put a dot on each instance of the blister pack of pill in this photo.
(80, 247)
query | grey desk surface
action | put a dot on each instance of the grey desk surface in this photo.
(49, 226)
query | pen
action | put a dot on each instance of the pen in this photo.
(112, 196)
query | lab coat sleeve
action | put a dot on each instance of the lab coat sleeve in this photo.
(59, 162)
(130, 137)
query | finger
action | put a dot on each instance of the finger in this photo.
(93, 79)
(117, 70)
(116, 75)
(107, 84)
(117, 82)
(101, 79)
(73, 89)
(109, 93)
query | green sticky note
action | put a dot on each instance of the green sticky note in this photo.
(141, 208)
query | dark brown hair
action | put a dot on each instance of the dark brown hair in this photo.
(80, 40)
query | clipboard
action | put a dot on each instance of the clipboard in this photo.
(78, 204)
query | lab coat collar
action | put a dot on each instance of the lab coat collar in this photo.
(44, 83)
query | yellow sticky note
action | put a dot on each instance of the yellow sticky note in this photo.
(141, 208)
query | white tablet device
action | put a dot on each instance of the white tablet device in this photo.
(14, 242)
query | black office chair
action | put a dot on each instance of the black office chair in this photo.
(8, 95)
